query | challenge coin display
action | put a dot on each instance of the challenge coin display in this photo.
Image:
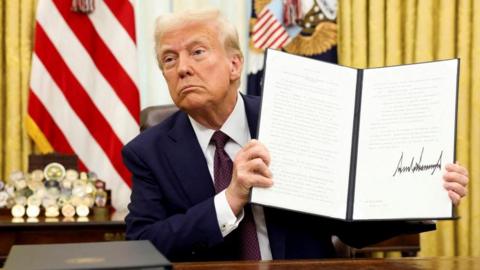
(52, 191)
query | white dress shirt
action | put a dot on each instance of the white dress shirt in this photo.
(236, 127)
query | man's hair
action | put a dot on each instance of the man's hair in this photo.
(226, 31)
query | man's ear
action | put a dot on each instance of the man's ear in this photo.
(236, 65)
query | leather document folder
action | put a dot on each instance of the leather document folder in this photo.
(100, 255)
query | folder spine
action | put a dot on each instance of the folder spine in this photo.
(354, 152)
(454, 210)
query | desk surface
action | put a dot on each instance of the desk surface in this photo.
(463, 263)
(439, 263)
(23, 222)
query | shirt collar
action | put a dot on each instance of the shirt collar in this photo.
(236, 127)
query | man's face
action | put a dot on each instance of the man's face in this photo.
(198, 70)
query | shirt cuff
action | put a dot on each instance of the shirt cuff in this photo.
(227, 221)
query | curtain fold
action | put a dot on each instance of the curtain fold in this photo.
(380, 32)
(464, 22)
(17, 24)
(475, 132)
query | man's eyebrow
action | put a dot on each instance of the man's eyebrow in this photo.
(189, 44)
(166, 51)
(198, 41)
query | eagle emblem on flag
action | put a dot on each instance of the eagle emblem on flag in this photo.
(305, 27)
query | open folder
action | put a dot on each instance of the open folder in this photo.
(100, 255)
(358, 144)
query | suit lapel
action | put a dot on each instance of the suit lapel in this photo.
(252, 106)
(188, 162)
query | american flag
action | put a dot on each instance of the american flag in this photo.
(269, 32)
(83, 96)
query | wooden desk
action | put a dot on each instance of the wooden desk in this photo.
(49, 231)
(453, 263)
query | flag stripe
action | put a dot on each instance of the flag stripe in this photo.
(274, 34)
(105, 61)
(74, 129)
(47, 125)
(279, 36)
(261, 21)
(86, 72)
(263, 35)
(268, 26)
(124, 12)
(48, 128)
(269, 32)
(80, 102)
(118, 41)
(282, 40)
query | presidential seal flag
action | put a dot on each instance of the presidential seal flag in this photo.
(83, 95)
(302, 27)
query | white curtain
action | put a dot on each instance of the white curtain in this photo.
(153, 89)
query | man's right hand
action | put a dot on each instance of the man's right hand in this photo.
(250, 169)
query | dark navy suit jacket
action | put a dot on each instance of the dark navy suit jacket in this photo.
(172, 203)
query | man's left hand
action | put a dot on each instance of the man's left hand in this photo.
(456, 180)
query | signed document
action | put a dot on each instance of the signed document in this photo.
(357, 144)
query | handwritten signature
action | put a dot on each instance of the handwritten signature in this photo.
(417, 166)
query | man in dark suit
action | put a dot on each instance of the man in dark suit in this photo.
(188, 197)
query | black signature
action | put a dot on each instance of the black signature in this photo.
(417, 166)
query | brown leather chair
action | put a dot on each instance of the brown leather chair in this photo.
(154, 115)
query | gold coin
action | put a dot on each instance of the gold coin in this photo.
(37, 175)
(75, 200)
(88, 201)
(52, 211)
(68, 211)
(82, 210)
(33, 211)
(18, 211)
(34, 201)
(54, 171)
(71, 175)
